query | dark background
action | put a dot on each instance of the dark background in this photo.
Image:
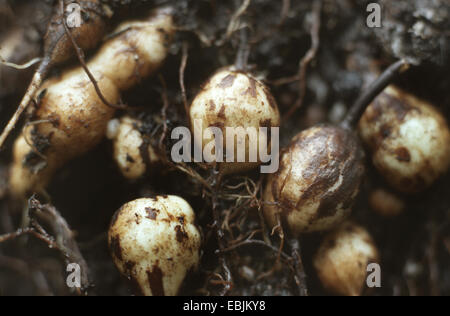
(415, 246)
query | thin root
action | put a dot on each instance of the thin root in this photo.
(20, 67)
(82, 60)
(306, 60)
(184, 60)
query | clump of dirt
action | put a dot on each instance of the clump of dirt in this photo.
(416, 30)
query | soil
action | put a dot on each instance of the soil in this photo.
(415, 246)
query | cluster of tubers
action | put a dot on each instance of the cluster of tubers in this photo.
(70, 118)
(58, 46)
(154, 242)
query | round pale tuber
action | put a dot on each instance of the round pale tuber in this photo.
(386, 203)
(409, 140)
(318, 180)
(154, 243)
(233, 99)
(343, 257)
(70, 117)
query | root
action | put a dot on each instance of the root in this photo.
(193, 174)
(300, 276)
(373, 91)
(256, 242)
(184, 60)
(20, 67)
(34, 86)
(243, 52)
(63, 240)
(81, 58)
(235, 23)
(306, 60)
(18, 233)
(228, 284)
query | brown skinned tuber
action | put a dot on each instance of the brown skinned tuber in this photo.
(321, 171)
(409, 140)
(135, 154)
(343, 258)
(318, 180)
(154, 244)
(70, 117)
(233, 98)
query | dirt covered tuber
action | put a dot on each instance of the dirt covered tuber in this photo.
(321, 171)
(409, 140)
(233, 98)
(154, 244)
(70, 118)
(134, 152)
(343, 257)
(318, 180)
(58, 46)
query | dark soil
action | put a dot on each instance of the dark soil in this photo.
(415, 246)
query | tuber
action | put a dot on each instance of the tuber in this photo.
(154, 244)
(134, 153)
(233, 98)
(58, 47)
(409, 140)
(318, 180)
(321, 171)
(70, 117)
(386, 203)
(343, 258)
